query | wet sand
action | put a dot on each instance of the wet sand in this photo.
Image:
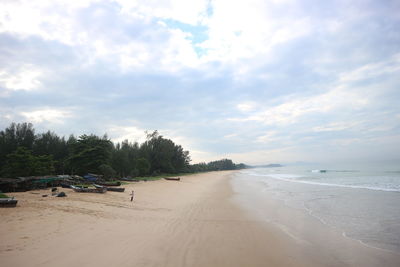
(193, 222)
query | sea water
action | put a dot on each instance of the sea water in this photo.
(362, 204)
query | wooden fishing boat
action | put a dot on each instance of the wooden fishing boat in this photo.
(113, 189)
(114, 183)
(89, 190)
(116, 189)
(129, 179)
(63, 185)
(8, 202)
(172, 178)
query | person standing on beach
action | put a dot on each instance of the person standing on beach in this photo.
(132, 196)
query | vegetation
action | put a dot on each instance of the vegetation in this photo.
(2, 195)
(24, 153)
(158, 177)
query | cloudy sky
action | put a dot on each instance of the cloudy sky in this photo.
(257, 81)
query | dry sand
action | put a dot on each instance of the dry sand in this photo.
(193, 222)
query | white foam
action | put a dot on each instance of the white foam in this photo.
(293, 178)
(318, 170)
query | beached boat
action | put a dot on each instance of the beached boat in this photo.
(114, 183)
(116, 189)
(63, 185)
(113, 189)
(129, 179)
(89, 190)
(8, 202)
(172, 178)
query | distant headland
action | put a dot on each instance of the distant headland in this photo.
(274, 165)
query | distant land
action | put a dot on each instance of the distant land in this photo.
(267, 166)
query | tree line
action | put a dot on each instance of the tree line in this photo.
(25, 153)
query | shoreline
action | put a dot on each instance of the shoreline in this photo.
(299, 223)
(194, 222)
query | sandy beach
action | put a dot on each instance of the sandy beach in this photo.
(193, 222)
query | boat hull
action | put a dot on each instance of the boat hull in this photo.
(8, 202)
(112, 189)
(110, 183)
(115, 189)
(89, 190)
(172, 178)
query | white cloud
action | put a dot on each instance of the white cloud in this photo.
(26, 79)
(190, 12)
(264, 156)
(239, 30)
(178, 138)
(296, 107)
(236, 30)
(50, 115)
(230, 136)
(121, 133)
(275, 60)
(163, 48)
(51, 20)
(335, 126)
(199, 156)
(342, 96)
(268, 137)
(246, 107)
(178, 52)
(372, 70)
(346, 142)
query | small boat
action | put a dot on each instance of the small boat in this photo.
(172, 178)
(89, 190)
(129, 179)
(113, 189)
(116, 189)
(114, 183)
(8, 202)
(65, 185)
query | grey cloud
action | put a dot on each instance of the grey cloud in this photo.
(195, 104)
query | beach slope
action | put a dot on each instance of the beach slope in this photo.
(192, 222)
(188, 223)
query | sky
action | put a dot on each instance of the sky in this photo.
(255, 81)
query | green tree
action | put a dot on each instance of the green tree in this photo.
(89, 152)
(142, 166)
(14, 136)
(22, 153)
(163, 155)
(25, 135)
(107, 171)
(124, 157)
(44, 165)
(50, 144)
(20, 163)
(223, 164)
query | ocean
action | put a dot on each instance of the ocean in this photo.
(360, 204)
